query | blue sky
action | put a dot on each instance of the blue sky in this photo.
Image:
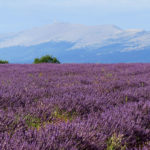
(17, 15)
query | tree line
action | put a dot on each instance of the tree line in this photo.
(43, 59)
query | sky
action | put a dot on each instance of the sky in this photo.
(18, 15)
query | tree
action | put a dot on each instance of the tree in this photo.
(36, 61)
(3, 62)
(46, 59)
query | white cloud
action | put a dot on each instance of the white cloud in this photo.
(78, 3)
(23, 14)
(127, 4)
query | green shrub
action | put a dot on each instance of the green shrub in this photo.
(32, 121)
(46, 59)
(63, 116)
(3, 62)
(115, 142)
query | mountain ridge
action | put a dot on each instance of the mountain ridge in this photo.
(76, 40)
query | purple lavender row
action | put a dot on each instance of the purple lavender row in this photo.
(75, 107)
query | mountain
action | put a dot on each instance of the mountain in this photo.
(75, 43)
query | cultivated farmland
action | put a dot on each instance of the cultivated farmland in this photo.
(75, 107)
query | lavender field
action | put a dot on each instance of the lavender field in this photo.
(75, 107)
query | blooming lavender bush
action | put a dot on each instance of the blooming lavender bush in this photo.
(75, 107)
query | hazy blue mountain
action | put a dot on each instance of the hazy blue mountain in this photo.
(72, 43)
